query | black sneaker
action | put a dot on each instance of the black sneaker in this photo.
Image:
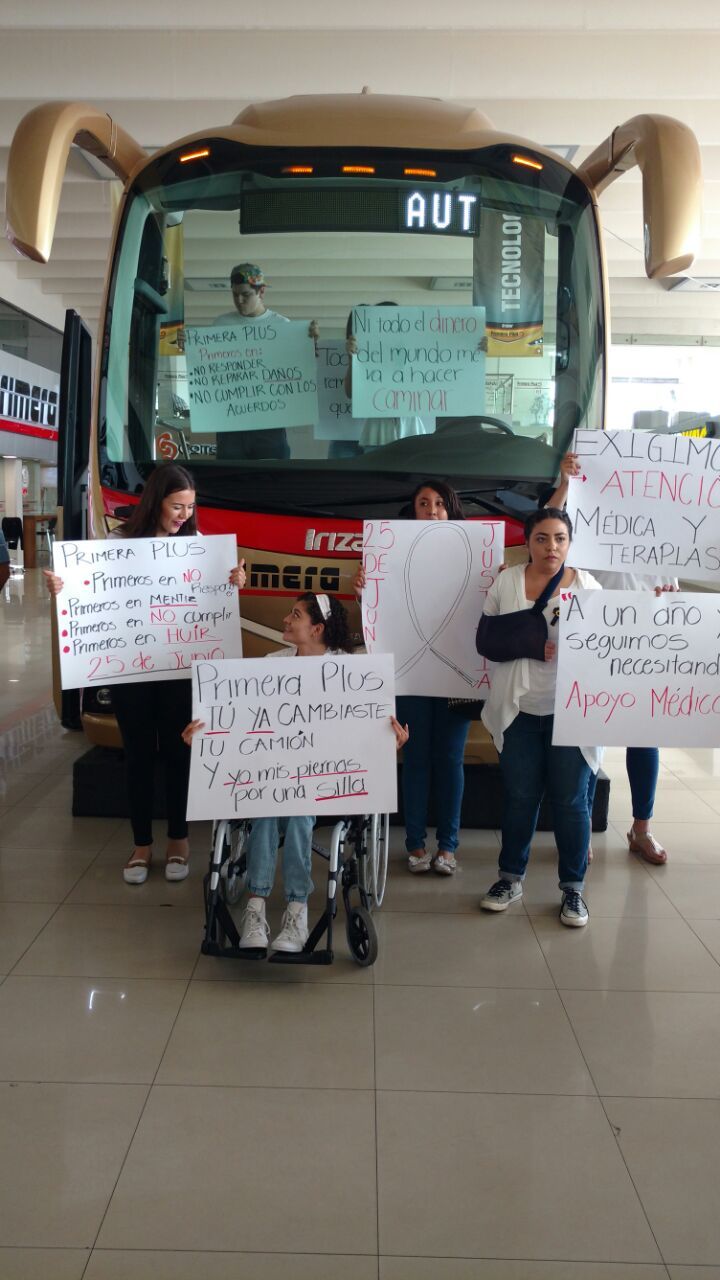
(502, 893)
(573, 909)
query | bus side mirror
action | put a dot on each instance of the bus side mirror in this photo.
(36, 167)
(668, 156)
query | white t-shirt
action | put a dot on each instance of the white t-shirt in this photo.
(234, 317)
(375, 432)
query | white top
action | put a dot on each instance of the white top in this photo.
(234, 317)
(540, 697)
(631, 581)
(376, 432)
(514, 681)
(290, 651)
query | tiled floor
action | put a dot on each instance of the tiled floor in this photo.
(497, 1099)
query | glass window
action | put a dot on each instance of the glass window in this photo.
(31, 339)
(456, 234)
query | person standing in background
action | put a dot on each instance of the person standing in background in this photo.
(642, 763)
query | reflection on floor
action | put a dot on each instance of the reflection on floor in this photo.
(498, 1098)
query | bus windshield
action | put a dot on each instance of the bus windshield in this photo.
(245, 336)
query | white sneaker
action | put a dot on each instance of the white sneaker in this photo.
(255, 930)
(293, 928)
(501, 894)
(573, 909)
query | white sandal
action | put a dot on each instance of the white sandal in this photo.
(444, 864)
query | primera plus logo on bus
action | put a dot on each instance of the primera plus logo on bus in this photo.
(333, 541)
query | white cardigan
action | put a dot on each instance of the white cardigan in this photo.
(510, 680)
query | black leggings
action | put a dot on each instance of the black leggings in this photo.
(151, 718)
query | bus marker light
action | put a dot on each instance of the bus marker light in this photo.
(420, 173)
(358, 168)
(298, 168)
(529, 164)
(195, 155)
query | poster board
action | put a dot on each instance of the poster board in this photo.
(293, 736)
(418, 361)
(141, 609)
(335, 420)
(647, 504)
(426, 583)
(248, 377)
(638, 670)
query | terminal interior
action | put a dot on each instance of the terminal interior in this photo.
(496, 1098)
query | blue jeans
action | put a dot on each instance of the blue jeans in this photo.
(433, 753)
(531, 765)
(262, 849)
(643, 767)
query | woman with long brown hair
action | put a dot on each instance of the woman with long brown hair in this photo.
(152, 715)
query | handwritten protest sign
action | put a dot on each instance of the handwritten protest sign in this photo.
(647, 503)
(246, 377)
(293, 736)
(638, 670)
(426, 583)
(418, 361)
(335, 420)
(141, 609)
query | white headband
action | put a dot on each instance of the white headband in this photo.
(324, 606)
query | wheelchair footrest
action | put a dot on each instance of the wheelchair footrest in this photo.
(301, 957)
(232, 953)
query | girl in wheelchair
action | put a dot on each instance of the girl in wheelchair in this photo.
(316, 625)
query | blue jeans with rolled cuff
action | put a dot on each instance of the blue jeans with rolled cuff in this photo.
(530, 766)
(643, 767)
(434, 754)
(262, 851)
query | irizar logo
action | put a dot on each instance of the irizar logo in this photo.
(333, 541)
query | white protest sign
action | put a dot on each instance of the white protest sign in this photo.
(293, 736)
(638, 670)
(139, 609)
(335, 420)
(646, 503)
(247, 377)
(418, 361)
(426, 583)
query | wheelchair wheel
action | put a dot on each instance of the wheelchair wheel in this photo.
(361, 936)
(378, 838)
(233, 872)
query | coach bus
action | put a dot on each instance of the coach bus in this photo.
(339, 201)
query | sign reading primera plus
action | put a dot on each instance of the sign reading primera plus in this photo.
(246, 377)
(293, 736)
(134, 610)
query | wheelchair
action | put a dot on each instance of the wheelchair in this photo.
(357, 859)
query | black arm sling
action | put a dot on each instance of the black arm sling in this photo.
(503, 637)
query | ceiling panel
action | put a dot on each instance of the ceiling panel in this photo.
(562, 73)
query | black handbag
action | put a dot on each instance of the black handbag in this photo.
(504, 637)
